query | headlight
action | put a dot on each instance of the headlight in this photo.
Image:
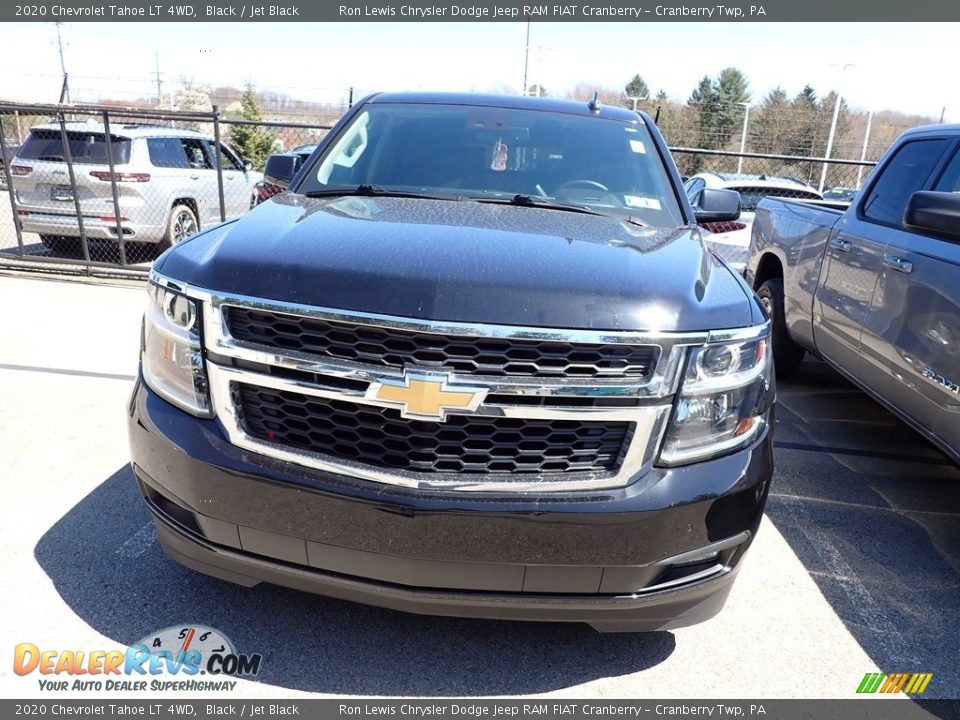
(723, 403)
(172, 360)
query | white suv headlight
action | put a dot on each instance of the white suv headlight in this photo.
(172, 359)
(724, 400)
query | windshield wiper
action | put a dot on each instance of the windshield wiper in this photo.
(534, 201)
(522, 200)
(364, 190)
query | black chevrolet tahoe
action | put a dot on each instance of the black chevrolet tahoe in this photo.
(474, 361)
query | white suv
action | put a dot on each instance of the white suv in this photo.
(731, 239)
(166, 182)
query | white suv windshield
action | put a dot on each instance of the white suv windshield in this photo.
(481, 152)
(85, 147)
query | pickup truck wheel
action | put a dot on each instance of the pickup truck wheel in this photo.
(787, 355)
(181, 224)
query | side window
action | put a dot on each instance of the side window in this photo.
(196, 153)
(693, 188)
(229, 159)
(906, 173)
(167, 152)
(950, 178)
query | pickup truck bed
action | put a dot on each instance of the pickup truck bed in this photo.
(873, 289)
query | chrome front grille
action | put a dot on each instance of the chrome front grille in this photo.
(381, 438)
(332, 409)
(478, 355)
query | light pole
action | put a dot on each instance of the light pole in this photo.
(526, 61)
(65, 88)
(743, 136)
(863, 151)
(833, 128)
(536, 81)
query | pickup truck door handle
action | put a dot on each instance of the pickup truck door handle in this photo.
(194, 177)
(841, 245)
(898, 264)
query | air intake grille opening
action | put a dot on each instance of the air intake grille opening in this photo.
(463, 444)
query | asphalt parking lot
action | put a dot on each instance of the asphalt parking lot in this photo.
(856, 568)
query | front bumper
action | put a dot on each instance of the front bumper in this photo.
(660, 553)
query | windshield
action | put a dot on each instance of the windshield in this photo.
(488, 152)
(85, 147)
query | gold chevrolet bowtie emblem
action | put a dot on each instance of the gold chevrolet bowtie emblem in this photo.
(425, 397)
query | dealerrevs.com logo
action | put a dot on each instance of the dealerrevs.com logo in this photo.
(169, 660)
(909, 683)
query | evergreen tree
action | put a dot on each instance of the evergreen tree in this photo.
(804, 109)
(253, 142)
(704, 102)
(732, 93)
(637, 88)
(772, 125)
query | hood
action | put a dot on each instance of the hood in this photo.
(466, 261)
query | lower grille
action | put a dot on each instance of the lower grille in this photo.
(379, 437)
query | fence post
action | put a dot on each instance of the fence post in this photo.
(113, 187)
(9, 178)
(216, 139)
(68, 157)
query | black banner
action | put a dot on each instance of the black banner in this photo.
(877, 708)
(637, 11)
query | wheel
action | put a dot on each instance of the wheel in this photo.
(60, 243)
(593, 184)
(182, 224)
(787, 355)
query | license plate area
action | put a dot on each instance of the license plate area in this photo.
(62, 193)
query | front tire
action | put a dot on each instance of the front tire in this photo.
(787, 355)
(181, 225)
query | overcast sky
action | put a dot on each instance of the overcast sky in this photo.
(903, 66)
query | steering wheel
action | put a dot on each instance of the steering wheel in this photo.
(593, 184)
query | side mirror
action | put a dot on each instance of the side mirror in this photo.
(716, 205)
(247, 165)
(281, 168)
(935, 213)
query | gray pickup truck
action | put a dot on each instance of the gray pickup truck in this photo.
(875, 289)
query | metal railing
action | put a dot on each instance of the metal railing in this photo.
(92, 187)
(848, 174)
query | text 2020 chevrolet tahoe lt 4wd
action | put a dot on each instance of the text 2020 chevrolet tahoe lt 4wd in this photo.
(476, 361)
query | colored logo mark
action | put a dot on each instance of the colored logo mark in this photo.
(911, 683)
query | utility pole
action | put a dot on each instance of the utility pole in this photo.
(65, 88)
(833, 127)
(526, 60)
(863, 151)
(157, 74)
(743, 136)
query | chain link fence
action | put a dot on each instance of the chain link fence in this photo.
(101, 187)
(835, 179)
(96, 187)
